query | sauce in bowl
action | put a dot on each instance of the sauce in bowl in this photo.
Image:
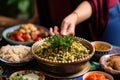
(101, 46)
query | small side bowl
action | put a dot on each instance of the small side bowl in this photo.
(105, 67)
(29, 73)
(101, 48)
(108, 76)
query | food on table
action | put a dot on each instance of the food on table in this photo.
(15, 53)
(62, 48)
(96, 76)
(28, 33)
(102, 46)
(114, 62)
(27, 75)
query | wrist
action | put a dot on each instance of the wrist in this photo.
(77, 16)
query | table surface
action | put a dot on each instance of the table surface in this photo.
(33, 65)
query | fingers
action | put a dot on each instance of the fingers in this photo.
(64, 26)
(51, 32)
(71, 30)
(54, 31)
(67, 29)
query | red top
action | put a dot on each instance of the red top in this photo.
(100, 16)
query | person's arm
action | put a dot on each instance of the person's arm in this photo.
(83, 11)
(80, 14)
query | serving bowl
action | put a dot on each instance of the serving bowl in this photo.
(12, 31)
(101, 48)
(63, 67)
(92, 75)
(15, 55)
(27, 75)
(110, 64)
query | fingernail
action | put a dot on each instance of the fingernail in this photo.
(64, 33)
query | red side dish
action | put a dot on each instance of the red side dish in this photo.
(96, 76)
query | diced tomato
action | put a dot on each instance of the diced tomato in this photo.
(13, 37)
(34, 35)
(38, 38)
(41, 35)
(18, 33)
(19, 36)
(26, 36)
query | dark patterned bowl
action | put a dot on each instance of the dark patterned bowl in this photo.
(103, 48)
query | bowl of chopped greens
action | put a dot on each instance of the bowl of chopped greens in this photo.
(62, 54)
(27, 75)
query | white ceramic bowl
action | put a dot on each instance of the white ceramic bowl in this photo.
(108, 76)
(101, 48)
(15, 55)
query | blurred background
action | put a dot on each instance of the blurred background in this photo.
(47, 13)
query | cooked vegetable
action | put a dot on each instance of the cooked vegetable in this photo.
(59, 48)
(96, 76)
(27, 33)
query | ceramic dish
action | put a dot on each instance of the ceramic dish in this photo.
(96, 75)
(11, 29)
(101, 48)
(110, 65)
(15, 55)
(63, 67)
(27, 75)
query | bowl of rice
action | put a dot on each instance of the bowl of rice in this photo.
(62, 55)
(15, 55)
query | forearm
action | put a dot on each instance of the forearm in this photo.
(83, 12)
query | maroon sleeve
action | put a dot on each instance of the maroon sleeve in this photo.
(99, 19)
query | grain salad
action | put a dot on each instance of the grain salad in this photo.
(74, 51)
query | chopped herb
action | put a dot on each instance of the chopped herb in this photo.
(61, 41)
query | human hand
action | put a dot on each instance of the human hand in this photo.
(68, 24)
(54, 31)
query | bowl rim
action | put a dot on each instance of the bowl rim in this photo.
(109, 76)
(11, 29)
(105, 67)
(61, 62)
(104, 42)
(23, 71)
(10, 62)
